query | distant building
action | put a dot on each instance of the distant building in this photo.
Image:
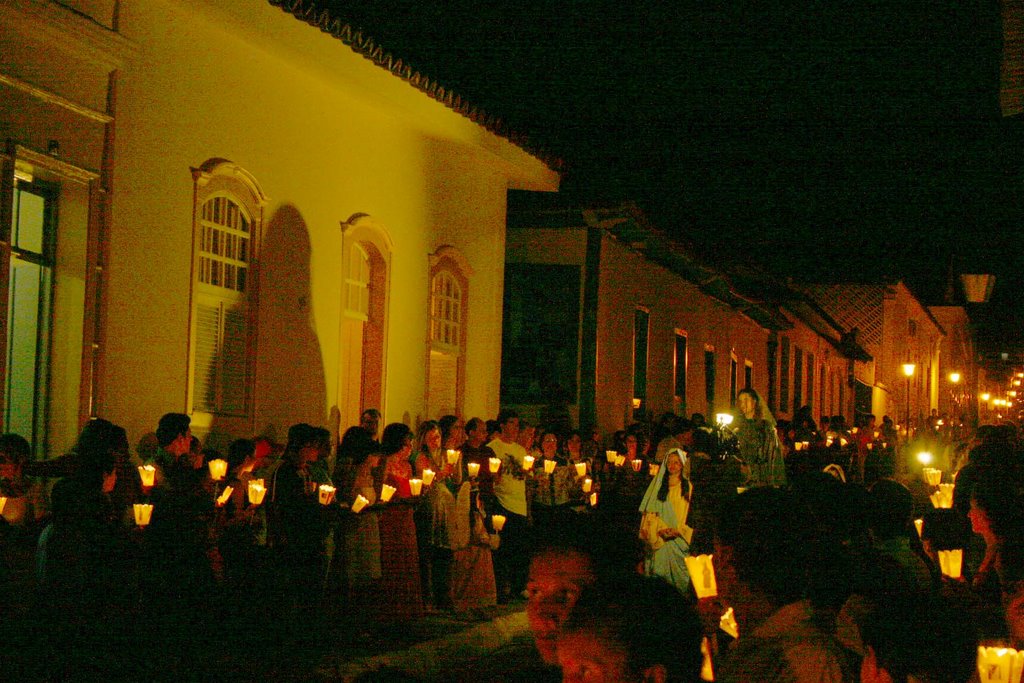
(224, 210)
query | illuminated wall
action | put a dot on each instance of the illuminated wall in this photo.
(329, 139)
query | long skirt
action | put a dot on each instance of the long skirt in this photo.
(669, 563)
(472, 582)
(400, 594)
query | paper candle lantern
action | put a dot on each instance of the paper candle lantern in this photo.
(702, 574)
(728, 623)
(218, 468)
(798, 446)
(360, 502)
(428, 477)
(932, 476)
(386, 492)
(528, 463)
(620, 460)
(611, 456)
(588, 484)
(951, 562)
(637, 465)
(498, 521)
(549, 466)
(147, 473)
(143, 513)
(828, 441)
(807, 444)
(593, 499)
(654, 469)
(1000, 665)
(326, 494)
(256, 491)
(3, 504)
(494, 464)
(870, 446)
(581, 469)
(474, 469)
(453, 456)
(415, 486)
(919, 525)
(225, 495)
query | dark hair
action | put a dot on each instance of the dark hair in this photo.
(16, 448)
(610, 551)
(770, 535)
(890, 508)
(669, 634)
(505, 415)
(394, 438)
(239, 451)
(472, 424)
(422, 431)
(999, 498)
(170, 427)
(684, 482)
(923, 636)
(356, 445)
(445, 424)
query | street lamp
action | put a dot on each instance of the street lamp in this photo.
(954, 377)
(908, 370)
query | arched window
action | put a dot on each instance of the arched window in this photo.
(446, 361)
(227, 226)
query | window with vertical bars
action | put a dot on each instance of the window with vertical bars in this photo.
(224, 245)
(357, 285)
(798, 378)
(810, 379)
(446, 312)
(784, 377)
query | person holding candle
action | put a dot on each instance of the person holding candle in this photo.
(359, 568)
(510, 490)
(434, 521)
(997, 515)
(766, 548)
(400, 597)
(758, 441)
(603, 641)
(663, 528)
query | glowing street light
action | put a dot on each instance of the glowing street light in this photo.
(908, 369)
(954, 377)
(986, 397)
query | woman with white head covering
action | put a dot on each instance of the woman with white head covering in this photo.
(663, 529)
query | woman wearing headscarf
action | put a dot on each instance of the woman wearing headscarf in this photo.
(663, 528)
(758, 441)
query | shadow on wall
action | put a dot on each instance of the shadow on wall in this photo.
(290, 385)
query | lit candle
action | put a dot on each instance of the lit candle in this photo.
(453, 456)
(415, 486)
(702, 575)
(428, 477)
(798, 446)
(222, 499)
(654, 469)
(326, 494)
(919, 525)
(494, 464)
(256, 491)
(727, 623)
(498, 521)
(807, 444)
(854, 430)
(148, 475)
(611, 456)
(218, 468)
(474, 469)
(588, 484)
(360, 502)
(3, 504)
(581, 469)
(637, 465)
(620, 460)
(1000, 665)
(828, 441)
(143, 513)
(549, 466)
(593, 499)
(386, 492)
(528, 463)
(951, 562)
(877, 434)
(843, 441)
(871, 446)
(932, 476)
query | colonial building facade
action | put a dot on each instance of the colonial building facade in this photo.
(242, 210)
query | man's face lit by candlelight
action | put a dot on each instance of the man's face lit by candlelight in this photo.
(556, 579)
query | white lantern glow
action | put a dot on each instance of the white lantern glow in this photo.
(494, 464)
(256, 491)
(147, 473)
(218, 468)
(528, 463)
(1000, 665)
(498, 521)
(581, 469)
(951, 563)
(386, 492)
(143, 513)
(415, 486)
(474, 469)
(225, 495)
(549, 466)
(702, 575)
(326, 494)
(360, 502)
(428, 477)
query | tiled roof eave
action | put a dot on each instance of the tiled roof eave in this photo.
(364, 45)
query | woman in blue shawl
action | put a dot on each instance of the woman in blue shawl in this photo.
(663, 529)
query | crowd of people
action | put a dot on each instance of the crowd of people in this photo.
(810, 524)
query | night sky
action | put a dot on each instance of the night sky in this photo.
(822, 139)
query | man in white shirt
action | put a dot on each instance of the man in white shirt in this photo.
(512, 557)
